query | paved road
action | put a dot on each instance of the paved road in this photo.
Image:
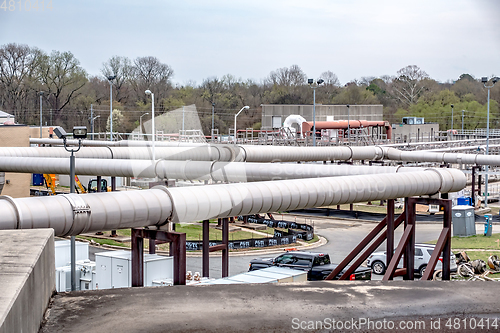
(342, 236)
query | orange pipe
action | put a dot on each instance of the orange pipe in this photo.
(342, 124)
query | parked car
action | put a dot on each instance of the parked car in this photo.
(377, 260)
(317, 265)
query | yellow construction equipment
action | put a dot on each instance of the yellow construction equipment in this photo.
(50, 182)
(78, 185)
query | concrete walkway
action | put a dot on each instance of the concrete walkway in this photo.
(277, 307)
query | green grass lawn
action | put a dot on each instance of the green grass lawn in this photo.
(195, 232)
(475, 242)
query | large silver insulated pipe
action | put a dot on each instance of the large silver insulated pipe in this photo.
(441, 157)
(190, 170)
(202, 153)
(73, 214)
(233, 153)
(121, 143)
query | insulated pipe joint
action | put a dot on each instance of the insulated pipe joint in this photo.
(81, 214)
(14, 209)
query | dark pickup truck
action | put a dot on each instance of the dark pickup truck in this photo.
(317, 265)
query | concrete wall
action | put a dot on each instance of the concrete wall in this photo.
(17, 185)
(414, 133)
(339, 112)
(27, 278)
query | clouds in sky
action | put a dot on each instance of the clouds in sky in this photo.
(248, 39)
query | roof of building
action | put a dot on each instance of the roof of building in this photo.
(5, 114)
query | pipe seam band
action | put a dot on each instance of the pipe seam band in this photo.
(16, 209)
(165, 189)
(440, 176)
(81, 211)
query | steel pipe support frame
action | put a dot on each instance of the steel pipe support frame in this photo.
(177, 242)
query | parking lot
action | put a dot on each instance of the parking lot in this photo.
(342, 237)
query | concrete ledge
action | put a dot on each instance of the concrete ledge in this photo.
(270, 307)
(27, 278)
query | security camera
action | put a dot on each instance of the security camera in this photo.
(310, 81)
(60, 132)
(484, 79)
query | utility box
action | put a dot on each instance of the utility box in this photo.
(86, 269)
(114, 269)
(63, 252)
(464, 221)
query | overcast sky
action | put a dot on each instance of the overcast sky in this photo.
(248, 39)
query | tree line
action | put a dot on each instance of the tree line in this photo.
(69, 91)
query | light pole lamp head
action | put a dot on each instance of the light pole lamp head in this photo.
(495, 80)
(484, 79)
(246, 107)
(320, 81)
(148, 92)
(347, 106)
(41, 93)
(310, 81)
(79, 132)
(111, 77)
(451, 106)
(60, 132)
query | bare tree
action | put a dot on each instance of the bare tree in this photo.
(150, 73)
(18, 64)
(62, 78)
(409, 85)
(287, 77)
(121, 68)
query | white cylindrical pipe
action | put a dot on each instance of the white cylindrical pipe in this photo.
(74, 214)
(231, 153)
(191, 170)
(195, 204)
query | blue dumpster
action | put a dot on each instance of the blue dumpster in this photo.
(464, 201)
(37, 179)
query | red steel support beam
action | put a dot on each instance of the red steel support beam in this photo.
(225, 251)
(369, 251)
(409, 258)
(390, 229)
(205, 249)
(137, 259)
(357, 250)
(389, 273)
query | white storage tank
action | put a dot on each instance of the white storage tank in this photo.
(114, 269)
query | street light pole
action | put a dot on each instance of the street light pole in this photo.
(41, 94)
(463, 122)
(236, 115)
(452, 120)
(348, 126)
(78, 133)
(140, 122)
(213, 122)
(111, 78)
(485, 80)
(92, 125)
(314, 87)
(153, 128)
